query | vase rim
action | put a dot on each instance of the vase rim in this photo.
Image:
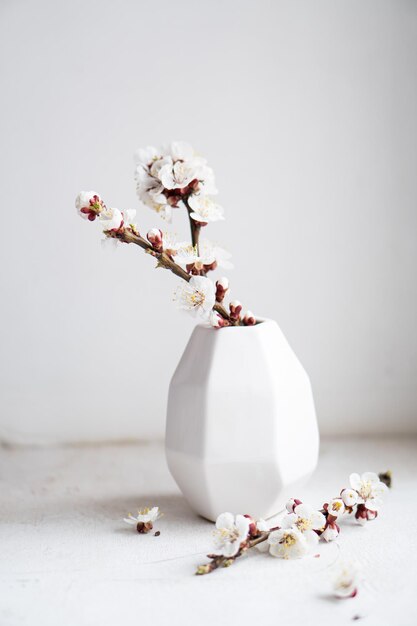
(261, 321)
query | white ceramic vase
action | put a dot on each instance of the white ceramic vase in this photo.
(241, 432)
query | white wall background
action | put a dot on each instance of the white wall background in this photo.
(307, 112)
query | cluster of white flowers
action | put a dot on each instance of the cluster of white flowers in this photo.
(176, 177)
(300, 529)
(173, 177)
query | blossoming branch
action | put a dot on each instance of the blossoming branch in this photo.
(300, 529)
(176, 178)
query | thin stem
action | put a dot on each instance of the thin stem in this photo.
(195, 227)
(225, 561)
(164, 260)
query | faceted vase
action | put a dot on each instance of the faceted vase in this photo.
(241, 430)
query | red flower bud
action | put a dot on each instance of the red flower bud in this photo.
(222, 287)
(155, 239)
(235, 308)
(249, 319)
(253, 530)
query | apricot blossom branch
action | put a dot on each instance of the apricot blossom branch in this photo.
(167, 179)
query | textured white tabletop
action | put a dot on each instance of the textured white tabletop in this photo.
(67, 557)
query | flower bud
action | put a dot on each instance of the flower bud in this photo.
(363, 514)
(291, 504)
(331, 532)
(216, 320)
(253, 530)
(222, 287)
(194, 185)
(155, 239)
(349, 497)
(89, 205)
(249, 319)
(235, 308)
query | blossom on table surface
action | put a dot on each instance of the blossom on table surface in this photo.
(335, 507)
(307, 520)
(291, 504)
(363, 515)
(349, 497)
(197, 296)
(331, 531)
(231, 532)
(346, 580)
(145, 519)
(370, 489)
(289, 543)
(299, 532)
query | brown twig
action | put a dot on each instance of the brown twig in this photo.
(195, 227)
(163, 260)
(218, 560)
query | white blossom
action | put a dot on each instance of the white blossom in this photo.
(292, 502)
(210, 253)
(230, 533)
(186, 253)
(145, 516)
(111, 219)
(181, 151)
(146, 156)
(331, 532)
(196, 296)
(288, 543)
(336, 507)
(306, 520)
(176, 175)
(88, 204)
(346, 581)
(262, 527)
(204, 209)
(349, 497)
(164, 176)
(370, 489)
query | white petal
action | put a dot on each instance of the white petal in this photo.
(370, 477)
(181, 150)
(225, 520)
(154, 513)
(303, 510)
(355, 482)
(311, 538)
(318, 521)
(230, 549)
(289, 520)
(242, 524)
